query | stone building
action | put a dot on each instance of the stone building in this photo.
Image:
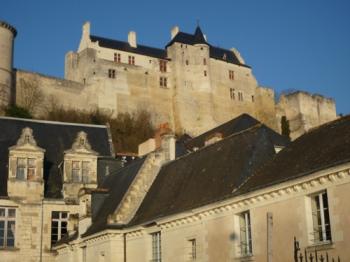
(233, 195)
(43, 166)
(191, 84)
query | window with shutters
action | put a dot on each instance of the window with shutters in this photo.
(245, 234)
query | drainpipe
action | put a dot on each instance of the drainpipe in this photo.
(124, 236)
(41, 230)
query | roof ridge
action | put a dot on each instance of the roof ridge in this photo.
(126, 42)
(258, 125)
(50, 122)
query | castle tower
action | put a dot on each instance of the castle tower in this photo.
(7, 35)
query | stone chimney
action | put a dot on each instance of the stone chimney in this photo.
(132, 39)
(168, 146)
(174, 31)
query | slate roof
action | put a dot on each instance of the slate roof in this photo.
(117, 184)
(235, 125)
(124, 46)
(320, 148)
(205, 176)
(181, 37)
(55, 138)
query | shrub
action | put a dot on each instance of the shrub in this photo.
(17, 111)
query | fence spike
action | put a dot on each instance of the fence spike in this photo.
(311, 257)
(301, 257)
(316, 257)
(327, 257)
(305, 255)
(338, 259)
(321, 258)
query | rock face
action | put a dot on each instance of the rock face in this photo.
(189, 84)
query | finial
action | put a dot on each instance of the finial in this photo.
(197, 22)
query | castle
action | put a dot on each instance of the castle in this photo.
(191, 84)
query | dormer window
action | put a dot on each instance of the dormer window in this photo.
(80, 171)
(25, 168)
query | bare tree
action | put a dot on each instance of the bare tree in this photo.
(30, 95)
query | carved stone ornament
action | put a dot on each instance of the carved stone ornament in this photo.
(81, 143)
(26, 137)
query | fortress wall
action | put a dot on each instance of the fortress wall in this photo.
(265, 110)
(305, 111)
(225, 107)
(67, 93)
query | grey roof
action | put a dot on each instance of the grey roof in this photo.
(320, 148)
(235, 125)
(181, 37)
(55, 138)
(194, 178)
(205, 176)
(117, 184)
(125, 46)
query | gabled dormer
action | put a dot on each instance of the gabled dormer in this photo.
(80, 167)
(25, 173)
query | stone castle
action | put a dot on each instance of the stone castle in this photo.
(191, 84)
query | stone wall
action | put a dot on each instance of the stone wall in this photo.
(305, 111)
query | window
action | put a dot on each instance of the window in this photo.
(59, 221)
(320, 218)
(205, 73)
(240, 96)
(204, 61)
(85, 171)
(162, 66)
(7, 227)
(80, 171)
(156, 247)
(117, 57)
(252, 98)
(245, 234)
(231, 75)
(25, 168)
(163, 82)
(187, 62)
(131, 60)
(232, 93)
(193, 250)
(111, 73)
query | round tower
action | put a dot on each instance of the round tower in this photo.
(7, 35)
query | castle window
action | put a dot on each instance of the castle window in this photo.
(187, 62)
(245, 234)
(162, 66)
(59, 222)
(25, 168)
(204, 61)
(131, 60)
(231, 75)
(117, 57)
(163, 82)
(240, 96)
(205, 73)
(111, 73)
(232, 93)
(320, 218)
(7, 227)
(156, 247)
(252, 98)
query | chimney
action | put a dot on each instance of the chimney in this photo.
(168, 146)
(174, 31)
(132, 39)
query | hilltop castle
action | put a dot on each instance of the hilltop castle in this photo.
(190, 84)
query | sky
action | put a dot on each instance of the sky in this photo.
(290, 44)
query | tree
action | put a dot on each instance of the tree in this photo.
(285, 126)
(30, 95)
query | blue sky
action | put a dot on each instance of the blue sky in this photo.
(290, 44)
